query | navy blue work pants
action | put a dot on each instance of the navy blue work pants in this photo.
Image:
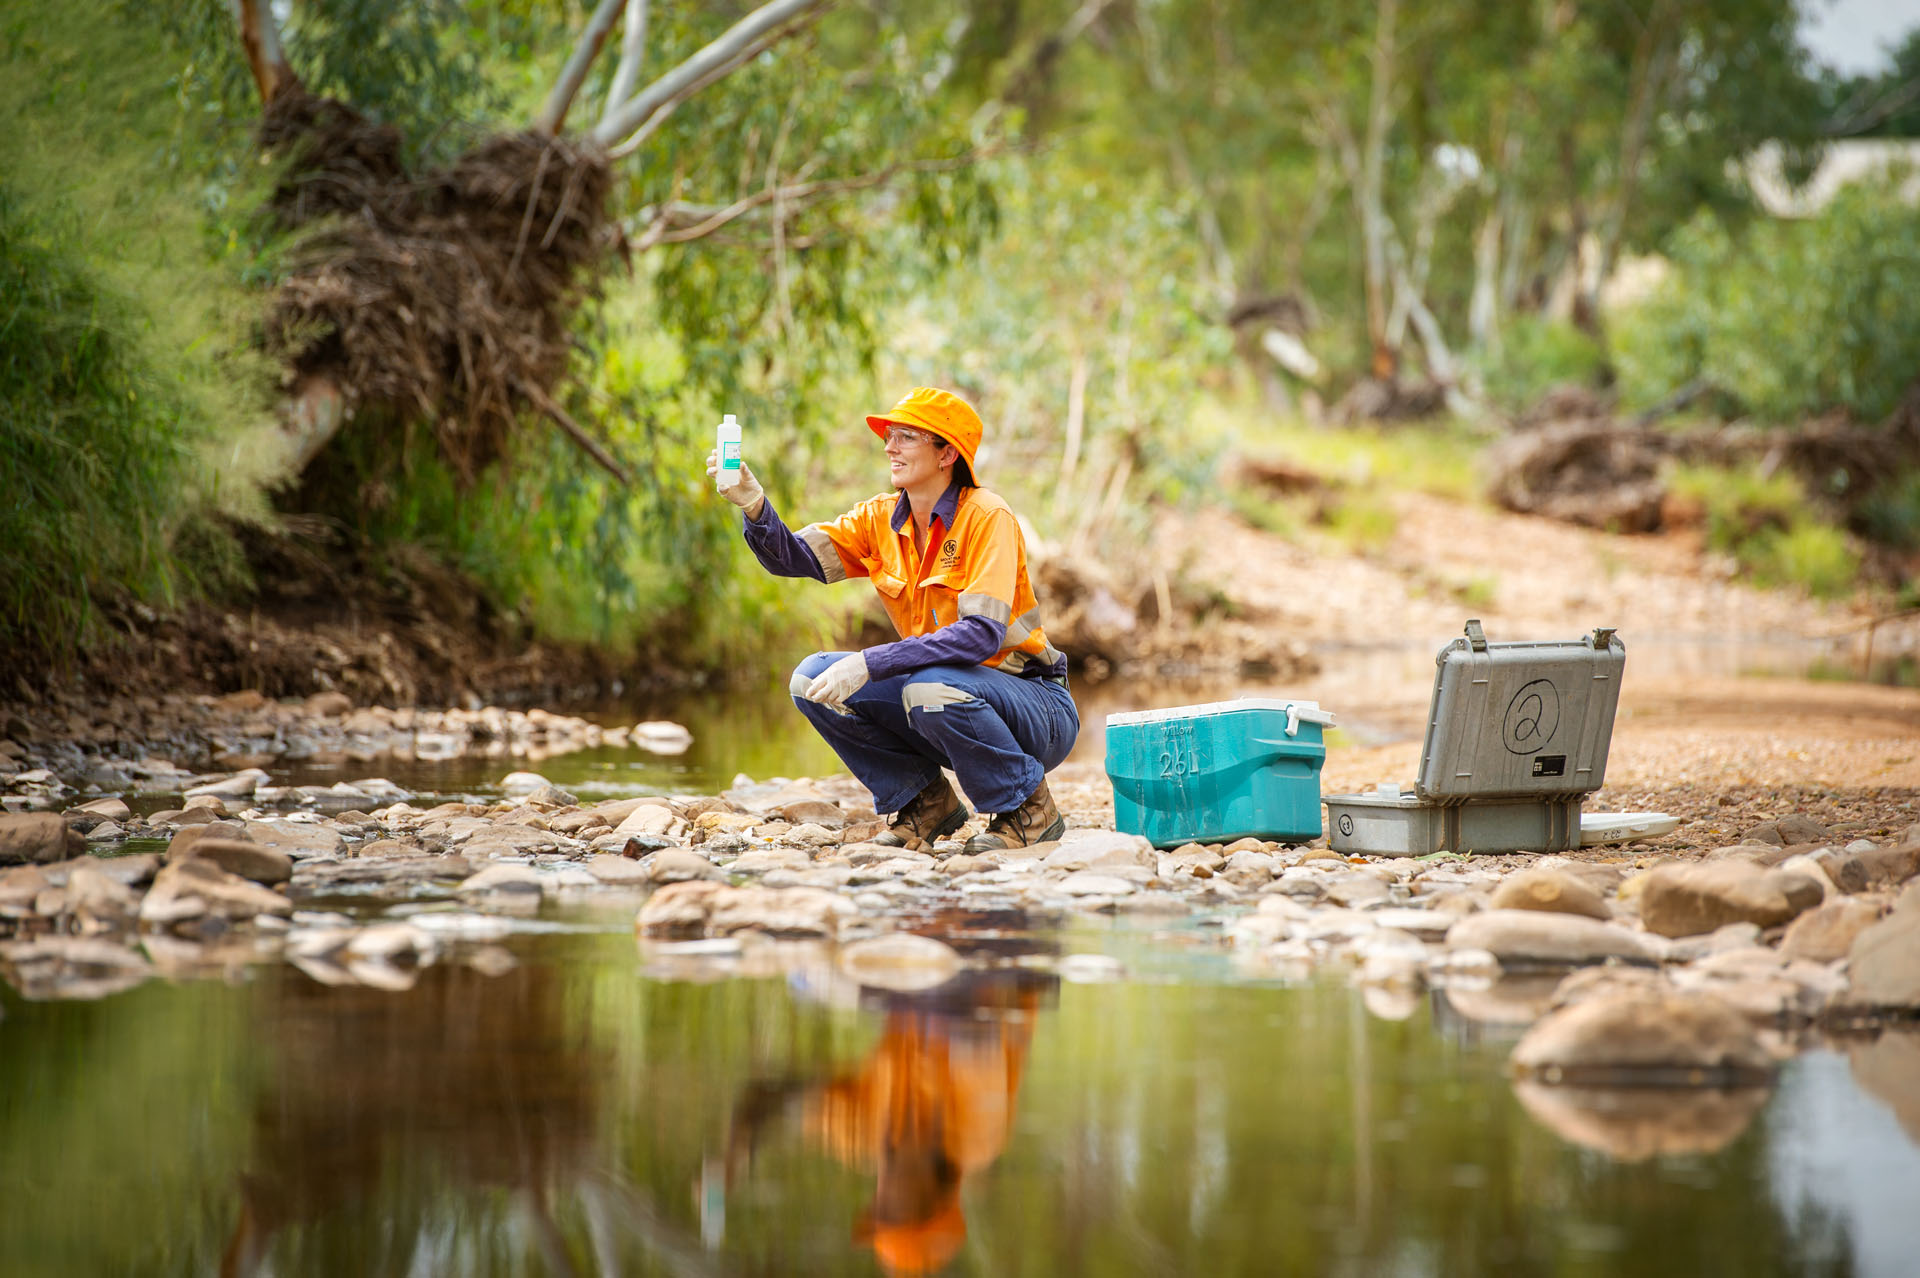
(1000, 733)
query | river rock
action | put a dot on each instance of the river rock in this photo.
(1536, 937)
(245, 858)
(1877, 868)
(298, 839)
(1828, 933)
(238, 785)
(519, 783)
(579, 823)
(1084, 849)
(764, 860)
(509, 879)
(1788, 830)
(93, 895)
(193, 888)
(679, 908)
(810, 835)
(796, 911)
(678, 865)
(811, 812)
(508, 841)
(1356, 890)
(1683, 900)
(617, 870)
(111, 809)
(1653, 1038)
(188, 835)
(646, 820)
(1883, 967)
(899, 961)
(1549, 890)
(1092, 883)
(30, 838)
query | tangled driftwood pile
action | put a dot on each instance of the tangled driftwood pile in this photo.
(442, 297)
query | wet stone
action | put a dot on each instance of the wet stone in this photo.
(1549, 890)
(1533, 937)
(678, 865)
(1683, 900)
(616, 871)
(1828, 933)
(37, 837)
(247, 859)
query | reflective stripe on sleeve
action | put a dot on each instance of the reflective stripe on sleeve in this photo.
(978, 605)
(823, 549)
(1022, 626)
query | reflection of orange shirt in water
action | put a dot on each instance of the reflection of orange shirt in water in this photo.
(932, 1105)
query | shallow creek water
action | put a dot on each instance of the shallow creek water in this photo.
(570, 1100)
(598, 1109)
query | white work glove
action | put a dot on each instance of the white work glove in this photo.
(747, 494)
(837, 682)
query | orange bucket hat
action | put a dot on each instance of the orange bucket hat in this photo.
(940, 411)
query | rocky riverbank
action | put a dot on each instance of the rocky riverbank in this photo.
(1695, 964)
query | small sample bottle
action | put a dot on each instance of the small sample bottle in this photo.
(726, 443)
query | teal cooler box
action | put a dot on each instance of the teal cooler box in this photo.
(1218, 772)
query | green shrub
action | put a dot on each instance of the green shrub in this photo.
(1770, 528)
(93, 453)
(1537, 354)
(1792, 318)
(1815, 557)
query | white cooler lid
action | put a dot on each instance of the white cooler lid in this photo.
(1306, 711)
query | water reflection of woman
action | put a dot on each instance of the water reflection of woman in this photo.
(931, 1105)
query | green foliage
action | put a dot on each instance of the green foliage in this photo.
(1890, 514)
(123, 394)
(1790, 318)
(1537, 354)
(1770, 528)
(89, 456)
(1044, 306)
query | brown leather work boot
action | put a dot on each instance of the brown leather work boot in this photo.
(1035, 821)
(934, 812)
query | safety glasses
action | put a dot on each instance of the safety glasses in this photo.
(907, 436)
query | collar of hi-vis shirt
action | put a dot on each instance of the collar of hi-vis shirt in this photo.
(943, 510)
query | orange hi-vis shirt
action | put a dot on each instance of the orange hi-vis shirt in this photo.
(974, 565)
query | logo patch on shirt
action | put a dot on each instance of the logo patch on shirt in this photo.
(949, 552)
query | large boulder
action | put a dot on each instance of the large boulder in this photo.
(1686, 900)
(36, 838)
(1523, 938)
(1645, 1038)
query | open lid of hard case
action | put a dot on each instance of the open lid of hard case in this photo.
(1520, 720)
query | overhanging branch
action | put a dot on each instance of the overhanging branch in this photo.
(553, 112)
(727, 51)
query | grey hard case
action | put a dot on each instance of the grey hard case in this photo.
(1520, 720)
